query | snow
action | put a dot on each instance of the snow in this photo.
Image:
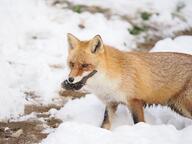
(181, 44)
(90, 110)
(9, 91)
(172, 15)
(33, 50)
(25, 60)
(142, 133)
(82, 119)
(33, 40)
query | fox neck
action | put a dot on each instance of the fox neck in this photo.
(106, 81)
(111, 62)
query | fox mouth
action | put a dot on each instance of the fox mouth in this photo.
(78, 85)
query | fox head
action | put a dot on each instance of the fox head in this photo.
(83, 56)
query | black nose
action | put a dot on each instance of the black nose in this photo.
(71, 79)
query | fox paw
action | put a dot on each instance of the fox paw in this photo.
(106, 126)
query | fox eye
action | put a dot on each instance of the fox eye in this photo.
(71, 64)
(84, 65)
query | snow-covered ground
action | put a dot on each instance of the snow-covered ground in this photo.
(74, 133)
(33, 52)
(82, 119)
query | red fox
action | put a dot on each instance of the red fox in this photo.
(131, 78)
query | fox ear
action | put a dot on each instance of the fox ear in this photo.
(97, 44)
(72, 41)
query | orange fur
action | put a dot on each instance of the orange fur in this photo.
(134, 78)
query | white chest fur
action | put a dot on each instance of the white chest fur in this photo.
(105, 88)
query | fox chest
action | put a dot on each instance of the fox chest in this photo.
(106, 89)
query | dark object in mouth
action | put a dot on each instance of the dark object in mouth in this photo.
(78, 85)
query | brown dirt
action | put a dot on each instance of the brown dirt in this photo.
(31, 129)
(31, 132)
(71, 94)
(108, 13)
(40, 108)
(64, 4)
(150, 43)
(147, 45)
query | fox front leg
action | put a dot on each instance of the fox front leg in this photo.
(108, 115)
(136, 108)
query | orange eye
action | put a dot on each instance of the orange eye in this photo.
(84, 65)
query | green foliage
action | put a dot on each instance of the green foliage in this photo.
(136, 30)
(145, 15)
(77, 8)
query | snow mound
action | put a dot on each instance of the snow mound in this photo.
(181, 44)
(90, 110)
(141, 133)
(11, 100)
(87, 110)
(82, 119)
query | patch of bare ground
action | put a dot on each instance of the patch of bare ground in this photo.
(40, 108)
(148, 44)
(184, 32)
(150, 39)
(30, 131)
(79, 8)
(71, 94)
(22, 132)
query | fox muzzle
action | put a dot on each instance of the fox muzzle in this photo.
(68, 85)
